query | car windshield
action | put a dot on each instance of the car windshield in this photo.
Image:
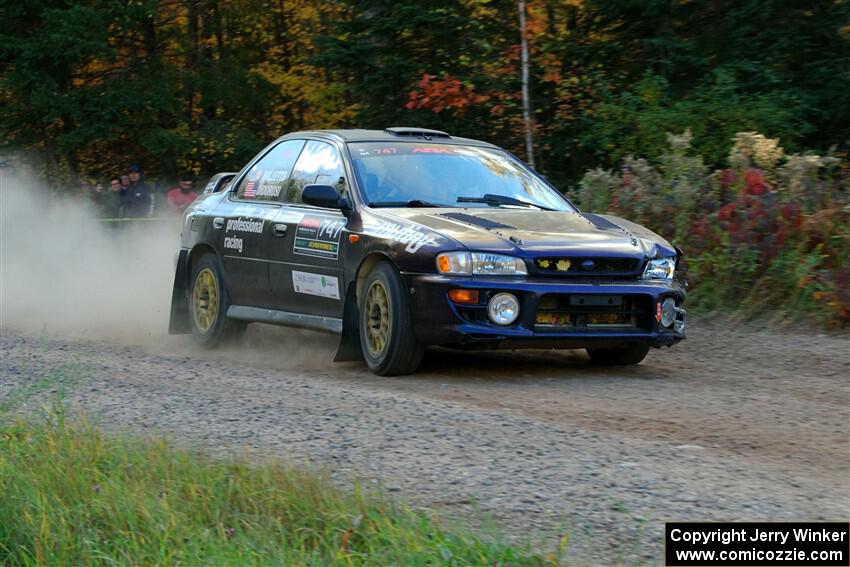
(445, 175)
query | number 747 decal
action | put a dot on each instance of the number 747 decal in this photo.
(318, 236)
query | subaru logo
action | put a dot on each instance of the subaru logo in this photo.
(588, 265)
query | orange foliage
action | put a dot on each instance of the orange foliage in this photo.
(441, 94)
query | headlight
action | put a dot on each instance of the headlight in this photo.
(660, 269)
(480, 263)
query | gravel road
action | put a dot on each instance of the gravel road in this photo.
(730, 425)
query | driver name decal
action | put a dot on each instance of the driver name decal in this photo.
(318, 236)
(272, 183)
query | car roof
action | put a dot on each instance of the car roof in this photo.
(395, 134)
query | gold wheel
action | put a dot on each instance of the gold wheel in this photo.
(377, 311)
(205, 300)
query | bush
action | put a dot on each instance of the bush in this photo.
(768, 234)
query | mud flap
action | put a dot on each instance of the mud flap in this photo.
(178, 323)
(349, 341)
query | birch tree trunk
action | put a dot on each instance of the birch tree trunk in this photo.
(526, 97)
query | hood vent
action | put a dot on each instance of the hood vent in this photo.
(601, 222)
(476, 221)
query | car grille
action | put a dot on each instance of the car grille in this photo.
(593, 312)
(574, 312)
(584, 266)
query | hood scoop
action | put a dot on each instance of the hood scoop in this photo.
(602, 223)
(476, 221)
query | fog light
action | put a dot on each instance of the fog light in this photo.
(503, 308)
(668, 312)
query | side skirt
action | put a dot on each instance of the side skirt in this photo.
(286, 319)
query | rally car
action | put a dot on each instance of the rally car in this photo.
(406, 238)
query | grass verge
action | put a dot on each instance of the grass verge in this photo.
(70, 495)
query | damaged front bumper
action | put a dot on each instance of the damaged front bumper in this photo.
(552, 314)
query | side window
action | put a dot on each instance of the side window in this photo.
(268, 176)
(319, 163)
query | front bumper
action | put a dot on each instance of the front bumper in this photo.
(439, 321)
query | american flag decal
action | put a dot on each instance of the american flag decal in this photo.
(250, 189)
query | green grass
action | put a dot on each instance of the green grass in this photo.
(58, 380)
(71, 495)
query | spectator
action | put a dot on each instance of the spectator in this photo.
(125, 182)
(113, 203)
(181, 196)
(139, 201)
(94, 194)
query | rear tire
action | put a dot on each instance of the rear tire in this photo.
(387, 337)
(208, 303)
(631, 353)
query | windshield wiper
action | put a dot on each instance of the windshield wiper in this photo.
(492, 199)
(411, 203)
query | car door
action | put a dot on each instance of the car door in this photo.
(305, 267)
(245, 225)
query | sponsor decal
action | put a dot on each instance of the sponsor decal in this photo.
(412, 236)
(405, 149)
(432, 150)
(315, 284)
(318, 236)
(245, 210)
(268, 213)
(242, 225)
(287, 215)
(233, 243)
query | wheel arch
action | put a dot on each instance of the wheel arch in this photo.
(366, 265)
(195, 254)
(349, 342)
(178, 323)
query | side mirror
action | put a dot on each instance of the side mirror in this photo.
(321, 196)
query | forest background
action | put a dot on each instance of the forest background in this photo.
(723, 125)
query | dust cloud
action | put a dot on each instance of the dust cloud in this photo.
(66, 274)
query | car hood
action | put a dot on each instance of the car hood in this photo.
(535, 233)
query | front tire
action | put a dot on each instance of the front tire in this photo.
(208, 303)
(631, 353)
(387, 337)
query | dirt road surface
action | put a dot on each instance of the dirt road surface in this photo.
(734, 424)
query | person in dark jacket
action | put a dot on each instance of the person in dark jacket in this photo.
(112, 199)
(140, 200)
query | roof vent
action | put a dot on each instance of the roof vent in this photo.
(417, 132)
